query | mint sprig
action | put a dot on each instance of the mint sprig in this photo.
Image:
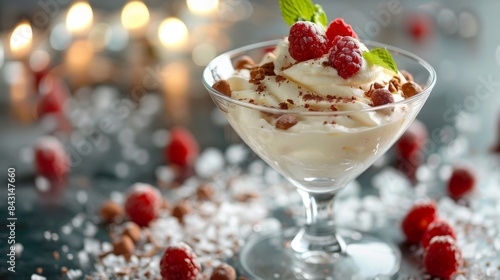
(296, 10)
(381, 57)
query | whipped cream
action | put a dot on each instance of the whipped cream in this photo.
(318, 151)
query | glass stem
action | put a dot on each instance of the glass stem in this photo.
(319, 232)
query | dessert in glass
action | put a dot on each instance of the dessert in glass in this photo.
(320, 123)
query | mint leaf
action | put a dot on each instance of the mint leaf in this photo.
(296, 10)
(382, 58)
(319, 16)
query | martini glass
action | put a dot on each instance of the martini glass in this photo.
(319, 155)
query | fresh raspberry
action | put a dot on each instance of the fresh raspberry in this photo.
(51, 159)
(418, 219)
(143, 203)
(179, 263)
(53, 94)
(411, 144)
(461, 183)
(307, 41)
(183, 148)
(437, 228)
(345, 56)
(442, 257)
(381, 97)
(339, 27)
(420, 26)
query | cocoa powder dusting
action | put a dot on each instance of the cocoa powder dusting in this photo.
(223, 87)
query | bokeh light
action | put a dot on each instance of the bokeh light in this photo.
(173, 32)
(99, 36)
(1, 55)
(60, 38)
(135, 15)
(203, 53)
(79, 55)
(39, 60)
(468, 24)
(79, 17)
(21, 39)
(202, 7)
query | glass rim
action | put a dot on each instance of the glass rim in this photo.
(244, 49)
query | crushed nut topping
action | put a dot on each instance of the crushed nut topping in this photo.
(223, 87)
(284, 122)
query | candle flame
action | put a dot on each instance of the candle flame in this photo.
(135, 14)
(21, 39)
(79, 17)
(173, 32)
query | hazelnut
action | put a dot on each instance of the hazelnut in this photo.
(125, 246)
(284, 122)
(246, 197)
(182, 208)
(407, 75)
(223, 272)
(205, 192)
(410, 89)
(133, 231)
(111, 212)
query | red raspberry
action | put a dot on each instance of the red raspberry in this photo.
(53, 94)
(437, 228)
(307, 41)
(183, 148)
(442, 257)
(381, 97)
(461, 183)
(51, 159)
(179, 263)
(409, 147)
(418, 219)
(339, 27)
(420, 26)
(143, 203)
(345, 56)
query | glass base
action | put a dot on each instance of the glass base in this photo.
(270, 256)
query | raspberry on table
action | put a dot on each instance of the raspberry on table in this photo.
(345, 56)
(51, 160)
(461, 183)
(381, 97)
(183, 148)
(442, 257)
(418, 218)
(339, 27)
(437, 228)
(179, 262)
(143, 203)
(307, 41)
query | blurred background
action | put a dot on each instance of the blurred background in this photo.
(110, 78)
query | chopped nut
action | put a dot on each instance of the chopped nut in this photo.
(410, 89)
(55, 254)
(377, 85)
(394, 84)
(223, 87)
(246, 197)
(205, 192)
(268, 69)
(257, 74)
(133, 231)
(39, 270)
(182, 208)
(111, 212)
(64, 270)
(285, 122)
(125, 246)
(223, 272)
(244, 62)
